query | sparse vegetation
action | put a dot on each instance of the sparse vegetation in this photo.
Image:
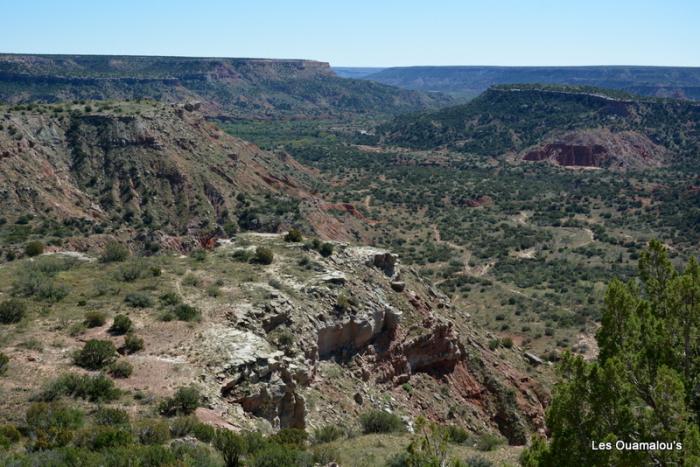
(12, 311)
(96, 354)
(121, 324)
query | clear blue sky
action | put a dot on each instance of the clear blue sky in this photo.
(365, 33)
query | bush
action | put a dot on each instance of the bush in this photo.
(97, 388)
(294, 235)
(326, 249)
(4, 363)
(114, 252)
(378, 421)
(263, 255)
(185, 312)
(199, 254)
(507, 342)
(111, 416)
(96, 354)
(456, 434)
(242, 256)
(34, 248)
(273, 455)
(184, 402)
(133, 343)
(328, 433)
(121, 369)
(488, 442)
(231, 446)
(94, 319)
(97, 438)
(130, 272)
(191, 280)
(51, 425)
(290, 437)
(10, 433)
(170, 298)
(138, 300)
(478, 461)
(121, 325)
(152, 432)
(12, 311)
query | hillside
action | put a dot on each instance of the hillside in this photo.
(470, 81)
(509, 119)
(145, 167)
(228, 87)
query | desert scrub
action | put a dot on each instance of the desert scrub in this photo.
(12, 311)
(110, 416)
(170, 298)
(378, 421)
(121, 369)
(138, 300)
(94, 319)
(133, 343)
(328, 433)
(95, 355)
(263, 255)
(152, 431)
(34, 248)
(184, 312)
(97, 388)
(121, 325)
(114, 252)
(294, 235)
(191, 280)
(4, 363)
(184, 402)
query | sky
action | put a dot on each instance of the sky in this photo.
(377, 33)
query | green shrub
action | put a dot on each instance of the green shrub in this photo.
(51, 425)
(121, 369)
(183, 426)
(478, 461)
(199, 254)
(242, 256)
(378, 421)
(294, 235)
(488, 442)
(456, 434)
(110, 416)
(213, 290)
(130, 272)
(114, 252)
(133, 343)
(231, 446)
(507, 342)
(328, 433)
(290, 437)
(326, 249)
(34, 248)
(96, 354)
(325, 455)
(185, 312)
(12, 311)
(273, 455)
(138, 300)
(97, 388)
(152, 431)
(97, 438)
(121, 325)
(10, 433)
(4, 363)
(191, 280)
(184, 402)
(263, 255)
(94, 319)
(170, 298)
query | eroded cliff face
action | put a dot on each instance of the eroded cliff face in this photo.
(600, 148)
(345, 338)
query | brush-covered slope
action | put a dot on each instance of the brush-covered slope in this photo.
(151, 166)
(232, 87)
(470, 81)
(509, 119)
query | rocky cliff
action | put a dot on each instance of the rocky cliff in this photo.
(227, 87)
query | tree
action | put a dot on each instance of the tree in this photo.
(643, 386)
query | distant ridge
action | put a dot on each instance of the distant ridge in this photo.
(228, 87)
(470, 81)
